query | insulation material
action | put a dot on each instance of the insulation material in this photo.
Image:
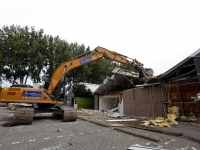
(193, 119)
(184, 94)
(161, 122)
(173, 110)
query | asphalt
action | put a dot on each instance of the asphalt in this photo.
(91, 131)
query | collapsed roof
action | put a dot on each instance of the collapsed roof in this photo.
(120, 80)
(83, 89)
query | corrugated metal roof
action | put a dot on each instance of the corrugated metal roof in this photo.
(83, 89)
(126, 72)
(89, 86)
(186, 62)
(121, 80)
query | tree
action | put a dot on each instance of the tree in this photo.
(57, 52)
(1, 70)
(78, 74)
(23, 49)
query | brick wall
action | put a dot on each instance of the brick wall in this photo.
(143, 102)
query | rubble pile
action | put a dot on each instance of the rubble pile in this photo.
(173, 113)
(190, 118)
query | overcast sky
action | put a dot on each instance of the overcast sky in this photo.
(159, 33)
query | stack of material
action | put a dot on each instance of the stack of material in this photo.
(161, 122)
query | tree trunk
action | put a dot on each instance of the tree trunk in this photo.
(26, 79)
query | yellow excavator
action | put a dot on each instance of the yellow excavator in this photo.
(47, 97)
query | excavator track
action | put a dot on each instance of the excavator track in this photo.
(68, 113)
(23, 115)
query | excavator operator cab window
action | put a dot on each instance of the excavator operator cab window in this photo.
(46, 85)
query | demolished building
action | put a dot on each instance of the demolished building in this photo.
(179, 86)
(109, 94)
(80, 95)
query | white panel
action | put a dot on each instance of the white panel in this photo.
(121, 109)
(75, 102)
(107, 103)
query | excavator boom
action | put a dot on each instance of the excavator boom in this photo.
(101, 52)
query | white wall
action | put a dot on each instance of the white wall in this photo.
(75, 102)
(121, 108)
(108, 102)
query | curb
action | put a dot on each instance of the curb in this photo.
(122, 130)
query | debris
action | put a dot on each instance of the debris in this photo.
(138, 147)
(183, 118)
(117, 125)
(59, 130)
(153, 122)
(171, 119)
(160, 146)
(185, 148)
(70, 143)
(114, 109)
(170, 133)
(171, 116)
(173, 110)
(147, 144)
(192, 119)
(115, 115)
(145, 123)
(137, 134)
(161, 122)
(159, 118)
(9, 106)
(122, 120)
(164, 124)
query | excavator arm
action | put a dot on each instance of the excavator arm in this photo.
(101, 52)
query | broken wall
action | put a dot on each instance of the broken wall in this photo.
(108, 102)
(143, 102)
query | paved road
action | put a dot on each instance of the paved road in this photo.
(48, 133)
(80, 135)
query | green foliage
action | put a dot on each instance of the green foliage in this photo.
(1, 68)
(27, 53)
(57, 52)
(78, 74)
(23, 49)
(126, 67)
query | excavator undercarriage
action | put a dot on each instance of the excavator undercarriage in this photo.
(24, 114)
